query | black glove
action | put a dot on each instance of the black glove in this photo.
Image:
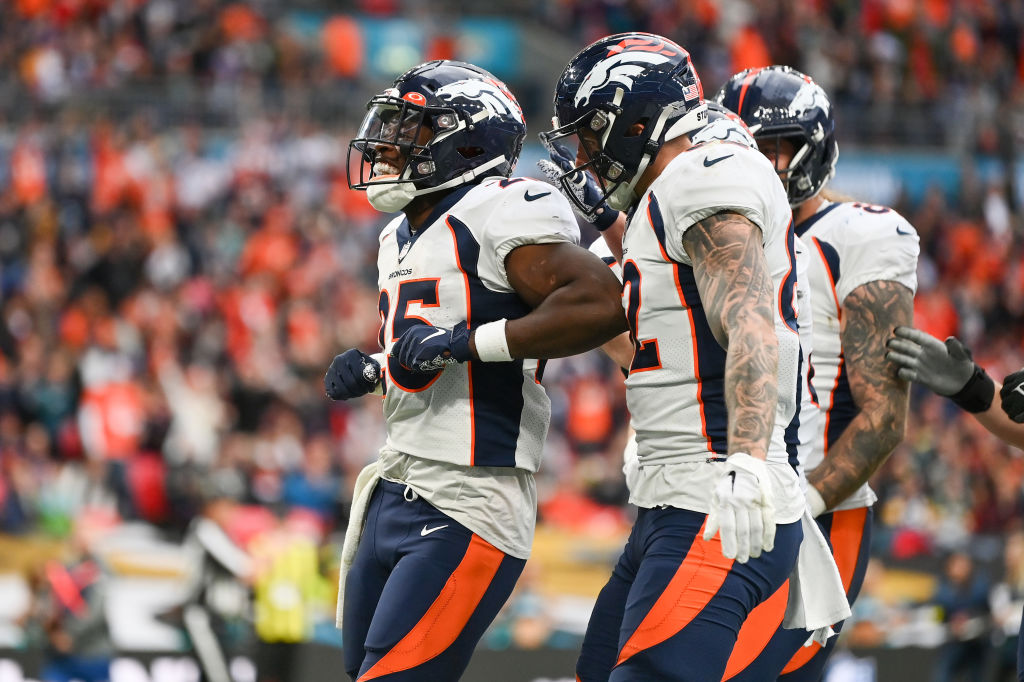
(1012, 395)
(579, 183)
(946, 368)
(351, 374)
(427, 349)
(943, 367)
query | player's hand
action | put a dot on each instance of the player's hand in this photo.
(815, 502)
(427, 349)
(581, 184)
(943, 367)
(742, 509)
(351, 374)
(1012, 396)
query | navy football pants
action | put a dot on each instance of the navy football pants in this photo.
(673, 605)
(765, 648)
(420, 593)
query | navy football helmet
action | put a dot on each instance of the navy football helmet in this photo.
(779, 102)
(724, 126)
(452, 122)
(610, 86)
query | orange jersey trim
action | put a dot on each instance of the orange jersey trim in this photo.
(469, 325)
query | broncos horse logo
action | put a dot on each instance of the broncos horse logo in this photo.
(809, 96)
(626, 61)
(495, 99)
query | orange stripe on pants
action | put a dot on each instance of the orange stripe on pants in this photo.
(846, 535)
(695, 582)
(757, 630)
(443, 622)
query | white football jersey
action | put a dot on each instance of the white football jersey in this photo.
(675, 389)
(453, 270)
(810, 412)
(851, 244)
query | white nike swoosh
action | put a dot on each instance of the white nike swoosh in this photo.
(437, 333)
(428, 531)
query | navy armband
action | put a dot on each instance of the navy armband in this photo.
(977, 394)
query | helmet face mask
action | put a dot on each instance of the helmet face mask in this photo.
(442, 125)
(780, 104)
(633, 92)
(589, 136)
(395, 124)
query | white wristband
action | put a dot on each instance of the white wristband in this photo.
(491, 344)
(815, 501)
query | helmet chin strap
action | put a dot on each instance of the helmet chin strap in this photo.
(389, 197)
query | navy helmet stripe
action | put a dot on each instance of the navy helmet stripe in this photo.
(495, 388)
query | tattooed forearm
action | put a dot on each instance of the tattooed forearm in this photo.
(736, 290)
(870, 313)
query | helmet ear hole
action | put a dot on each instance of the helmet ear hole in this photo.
(470, 152)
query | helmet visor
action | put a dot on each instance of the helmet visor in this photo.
(390, 123)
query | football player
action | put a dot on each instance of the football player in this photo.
(862, 281)
(481, 273)
(708, 266)
(948, 369)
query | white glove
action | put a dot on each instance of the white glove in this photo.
(815, 502)
(741, 507)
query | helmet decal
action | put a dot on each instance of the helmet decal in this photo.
(809, 96)
(619, 68)
(494, 99)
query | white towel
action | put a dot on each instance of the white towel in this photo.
(366, 481)
(817, 599)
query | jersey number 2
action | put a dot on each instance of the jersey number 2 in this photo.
(645, 353)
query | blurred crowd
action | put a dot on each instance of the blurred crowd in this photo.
(921, 72)
(171, 293)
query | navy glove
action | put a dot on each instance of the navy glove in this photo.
(351, 374)
(581, 184)
(1012, 395)
(427, 349)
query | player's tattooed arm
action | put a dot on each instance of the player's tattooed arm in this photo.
(736, 291)
(870, 313)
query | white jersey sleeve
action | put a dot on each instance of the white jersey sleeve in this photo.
(880, 246)
(720, 178)
(526, 211)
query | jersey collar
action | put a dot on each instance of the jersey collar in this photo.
(405, 235)
(809, 222)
